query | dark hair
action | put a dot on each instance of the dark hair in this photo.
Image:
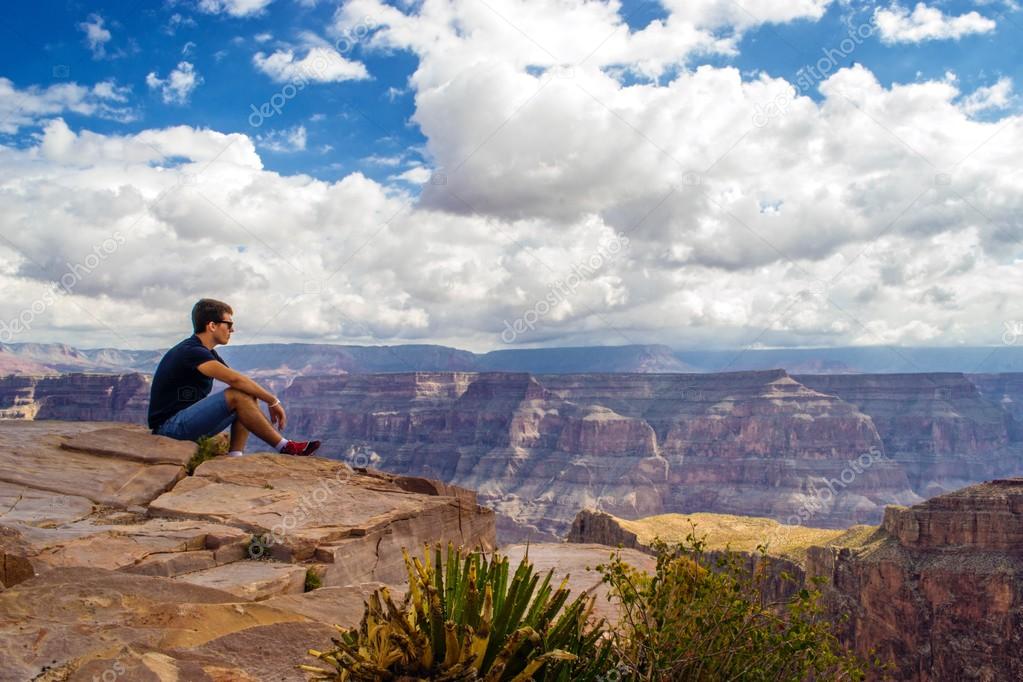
(208, 310)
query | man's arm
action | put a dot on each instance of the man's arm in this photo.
(222, 372)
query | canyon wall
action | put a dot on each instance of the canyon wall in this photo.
(938, 591)
(939, 427)
(1006, 391)
(935, 592)
(823, 451)
(76, 397)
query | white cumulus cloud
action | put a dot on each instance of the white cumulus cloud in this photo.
(898, 25)
(96, 35)
(876, 213)
(177, 87)
(288, 140)
(29, 106)
(320, 64)
(235, 8)
(989, 97)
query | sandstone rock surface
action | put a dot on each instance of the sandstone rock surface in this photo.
(133, 444)
(251, 580)
(31, 455)
(149, 574)
(342, 605)
(73, 623)
(355, 522)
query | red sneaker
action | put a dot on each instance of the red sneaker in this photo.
(300, 448)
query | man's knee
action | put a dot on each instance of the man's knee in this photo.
(234, 397)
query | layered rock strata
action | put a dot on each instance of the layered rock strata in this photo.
(820, 450)
(1006, 391)
(935, 592)
(76, 397)
(938, 592)
(830, 451)
(938, 427)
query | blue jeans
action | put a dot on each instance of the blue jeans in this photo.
(208, 417)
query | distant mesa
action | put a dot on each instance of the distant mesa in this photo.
(293, 359)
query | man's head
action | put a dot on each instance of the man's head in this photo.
(214, 318)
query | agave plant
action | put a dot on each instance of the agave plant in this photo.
(465, 617)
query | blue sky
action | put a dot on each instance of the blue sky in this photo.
(357, 120)
(777, 172)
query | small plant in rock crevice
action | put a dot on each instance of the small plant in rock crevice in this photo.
(312, 580)
(208, 448)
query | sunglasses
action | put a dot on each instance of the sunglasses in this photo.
(229, 323)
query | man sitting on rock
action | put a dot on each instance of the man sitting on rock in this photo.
(180, 404)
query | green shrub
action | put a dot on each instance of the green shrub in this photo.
(208, 448)
(465, 617)
(312, 580)
(703, 617)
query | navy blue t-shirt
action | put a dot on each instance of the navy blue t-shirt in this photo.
(177, 383)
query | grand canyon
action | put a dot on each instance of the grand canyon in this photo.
(552, 278)
(826, 450)
(894, 491)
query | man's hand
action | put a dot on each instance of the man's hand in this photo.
(277, 416)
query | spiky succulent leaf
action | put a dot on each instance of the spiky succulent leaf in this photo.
(468, 616)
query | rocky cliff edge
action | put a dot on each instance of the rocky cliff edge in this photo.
(115, 563)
